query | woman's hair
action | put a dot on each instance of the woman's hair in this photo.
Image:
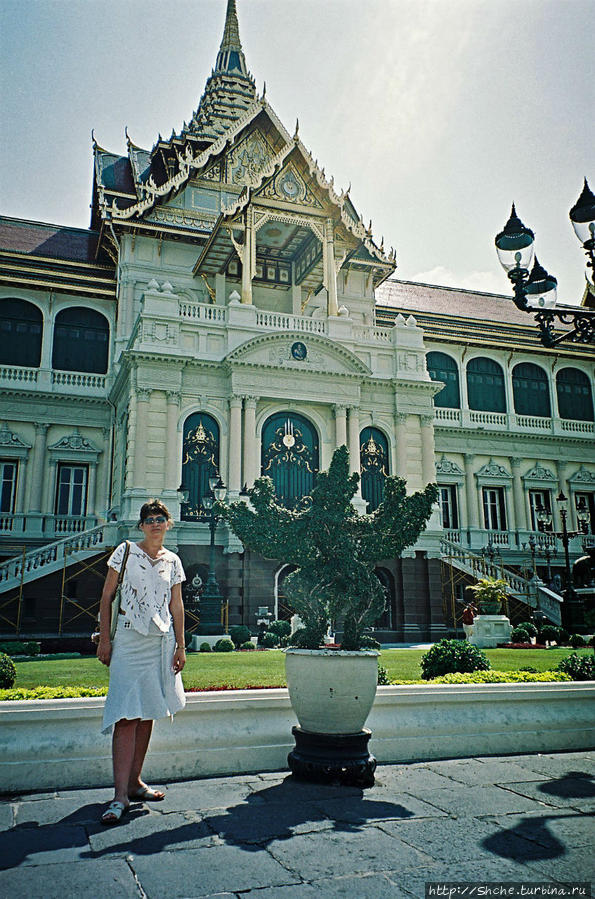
(153, 507)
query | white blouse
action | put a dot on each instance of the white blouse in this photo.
(146, 588)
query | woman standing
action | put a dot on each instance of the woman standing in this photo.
(147, 654)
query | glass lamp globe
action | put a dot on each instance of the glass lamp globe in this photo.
(541, 288)
(514, 244)
(582, 215)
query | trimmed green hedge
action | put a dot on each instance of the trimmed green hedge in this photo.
(20, 648)
(501, 677)
(51, 693)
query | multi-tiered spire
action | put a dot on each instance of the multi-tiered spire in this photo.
(230, 89)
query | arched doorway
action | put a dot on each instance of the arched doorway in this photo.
(200, 461)
(289, 456)
(374, 466)
(283, 608)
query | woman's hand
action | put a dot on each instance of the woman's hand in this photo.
(179, 659)
(104, 651)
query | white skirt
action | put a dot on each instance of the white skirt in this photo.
(142, 683)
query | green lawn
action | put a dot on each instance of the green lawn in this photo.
(262, 669)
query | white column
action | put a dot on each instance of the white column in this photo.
(234, 474)
(353, 439)
(247, 259)
(91, 488)
(340, 426)
(19, 505)
(172, 460)
(428, 462)
(331, 272)
(518, 502)
(140, 435)
(471, 492)
(249, 439)
(38, 466)
(401, 438)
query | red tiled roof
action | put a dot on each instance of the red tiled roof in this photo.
(441, 301)
(41, 239)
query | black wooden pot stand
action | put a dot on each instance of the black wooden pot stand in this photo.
(330, 758)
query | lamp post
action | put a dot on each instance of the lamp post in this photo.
(210, 601)
(572, 607)
(534, 290)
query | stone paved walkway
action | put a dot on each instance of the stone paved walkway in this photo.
(516, 818)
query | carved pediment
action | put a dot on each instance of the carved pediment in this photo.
(74, 446)
(446, 467)
(290, 187)
(298, 353)
(10, 440)
(491, 470)
(539, 473)
(246, 160)
(583, 476)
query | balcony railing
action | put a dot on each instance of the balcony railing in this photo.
(510, 422)
(53, 380)
(36, 525)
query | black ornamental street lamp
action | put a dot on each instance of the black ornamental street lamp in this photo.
(572, 607)
(210, 600)
(543, 549)
(534, 290)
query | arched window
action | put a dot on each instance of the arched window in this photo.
(485, 385)
(444, 368)
(289, 456)
(530, 390)
(574, 395)
(81, 340)
(21, 327)
(374, 465)
(200, 461)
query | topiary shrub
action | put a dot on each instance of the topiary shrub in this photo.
(529, 627)
(519, 635)
(8, 672)
(223, 645)
(368, 642)
(383, 679)
(563, 637)
(577, 641)
(281, 628)
(205, 647)
(299, 638)
(269, 640)
(578, 667)
(248, 645)
(548, 634)
(451, 656)
(239, 634)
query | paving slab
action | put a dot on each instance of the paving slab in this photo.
(206, 794)
(401, 779)
(204, 872)
(562, 792)
(105, 879)
(365, 886)
(574, 865)
(367, 809)
(552, 828)
(479, 800)
(6, 815)
(332, 853)
(247, 824)
(556, 764)
(473, 772)
(495, 871)
(57, 811)
(42, 845)
(151, 833)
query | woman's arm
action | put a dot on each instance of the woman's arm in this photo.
(176, 607)
(104, 648)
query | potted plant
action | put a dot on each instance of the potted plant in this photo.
(334, 550)
(490, 593)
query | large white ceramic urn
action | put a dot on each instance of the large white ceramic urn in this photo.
(331, 691)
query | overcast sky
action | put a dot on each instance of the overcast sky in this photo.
(439, 112)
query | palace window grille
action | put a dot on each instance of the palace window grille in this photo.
(447, 497)
(586, 499)
(530, 389)
(442, 367)
(8, 485)
(494, 508)
(81, 341)
(21, 328)
(290, 456)
(200, 461)
(575, 400)
(374, 466)
(71, 490)
(485, 385)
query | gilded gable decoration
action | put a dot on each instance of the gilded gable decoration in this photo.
(248, 158)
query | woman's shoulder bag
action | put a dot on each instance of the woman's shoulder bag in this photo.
(115, 600)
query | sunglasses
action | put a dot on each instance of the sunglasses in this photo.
(160, 519)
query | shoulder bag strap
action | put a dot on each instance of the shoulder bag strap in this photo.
(124, 561)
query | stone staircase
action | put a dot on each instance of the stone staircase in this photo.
(531, 592)
(54, 556)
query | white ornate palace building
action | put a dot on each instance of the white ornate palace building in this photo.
(229, 312)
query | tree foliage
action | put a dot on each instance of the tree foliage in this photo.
(334, 548)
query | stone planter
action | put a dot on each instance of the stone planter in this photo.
(331, 691)
(489, 630)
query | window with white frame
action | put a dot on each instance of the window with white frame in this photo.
(448, 506)
(494, 508)
(71, 489)
(539, 499)
(8, 484)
